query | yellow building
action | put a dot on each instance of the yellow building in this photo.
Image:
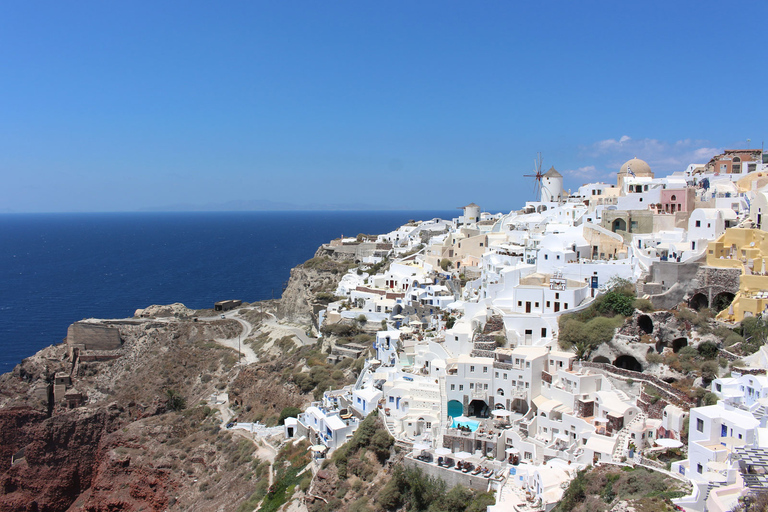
(745, 249)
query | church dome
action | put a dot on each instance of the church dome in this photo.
(638, 168)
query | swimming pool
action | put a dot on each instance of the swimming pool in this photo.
(472, 424)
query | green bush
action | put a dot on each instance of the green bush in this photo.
(617, 303)
(644, 305)
(445, 264)
(174, 401)
(708, 350)
(709, 370)
(288, 412)
(654, 358)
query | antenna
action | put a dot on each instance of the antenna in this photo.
(537, 177)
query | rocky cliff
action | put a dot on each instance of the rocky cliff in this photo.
(321, 274)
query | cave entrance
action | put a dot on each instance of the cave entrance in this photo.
(679, 343)
(645, 324)
(699, 301)
(660, 346)
(601, 359)
(722, 301)
(628, 362)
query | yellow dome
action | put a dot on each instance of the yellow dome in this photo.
(638, 167)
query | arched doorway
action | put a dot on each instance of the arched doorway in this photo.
(455, 409)
(699, 301)
(619, 225)
(645, 324)
(478, 408)
(628, 363)
(722, 301)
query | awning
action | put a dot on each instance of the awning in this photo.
(443, 451)
(512, 451)
(318, 448)
(501, 413)
(668, 443)
(462, 455)
(539, 400)
(600, 444)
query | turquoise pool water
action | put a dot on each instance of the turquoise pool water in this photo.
(472, 424)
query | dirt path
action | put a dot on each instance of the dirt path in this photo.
(248, 356)
(279, 330)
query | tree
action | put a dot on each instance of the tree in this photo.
(174, 401)
(288, 412)
(445, 264)
(708, 350)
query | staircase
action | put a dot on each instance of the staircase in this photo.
(443, 412)
(622, 440)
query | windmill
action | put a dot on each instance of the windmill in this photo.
(537, 178)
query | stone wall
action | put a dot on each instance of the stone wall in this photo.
(665, 390)
(450, 476)
(93, 337)
(651, 409)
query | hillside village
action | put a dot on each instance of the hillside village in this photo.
(620, 323)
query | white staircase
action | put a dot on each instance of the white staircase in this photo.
(623, 437)
(443, 412)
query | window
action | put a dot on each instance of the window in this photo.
(700, 424)
(392, 399)
(557, 295)
(472, 369)
(461, 387)
(674, 197)
(496, 375)
(527, 364)
(547, 303)
(500, 392)
(723, 167)
(505, 376)
(453, 388)
(519, 303)
(723, 431)
(565, 305)
(471, 385)
(543, 332)
(428, 424)
(698, 223)
(736, 169)
(485, 369)
(527, 385)
(536, 304)
(699, 469)
(485, 386)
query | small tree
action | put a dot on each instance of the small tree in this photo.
(174, 401)
(445, 264)
(288, 412)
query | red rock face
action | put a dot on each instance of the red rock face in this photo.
(69, 463)
(59, 457)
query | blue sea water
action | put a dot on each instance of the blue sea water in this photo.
(56, 269)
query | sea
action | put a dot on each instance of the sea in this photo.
(56, 269)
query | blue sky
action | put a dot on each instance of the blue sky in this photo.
(120, 106)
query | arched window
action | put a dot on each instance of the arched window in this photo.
(500, 392)
(674, 197)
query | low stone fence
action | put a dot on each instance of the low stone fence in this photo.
(666, 391)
